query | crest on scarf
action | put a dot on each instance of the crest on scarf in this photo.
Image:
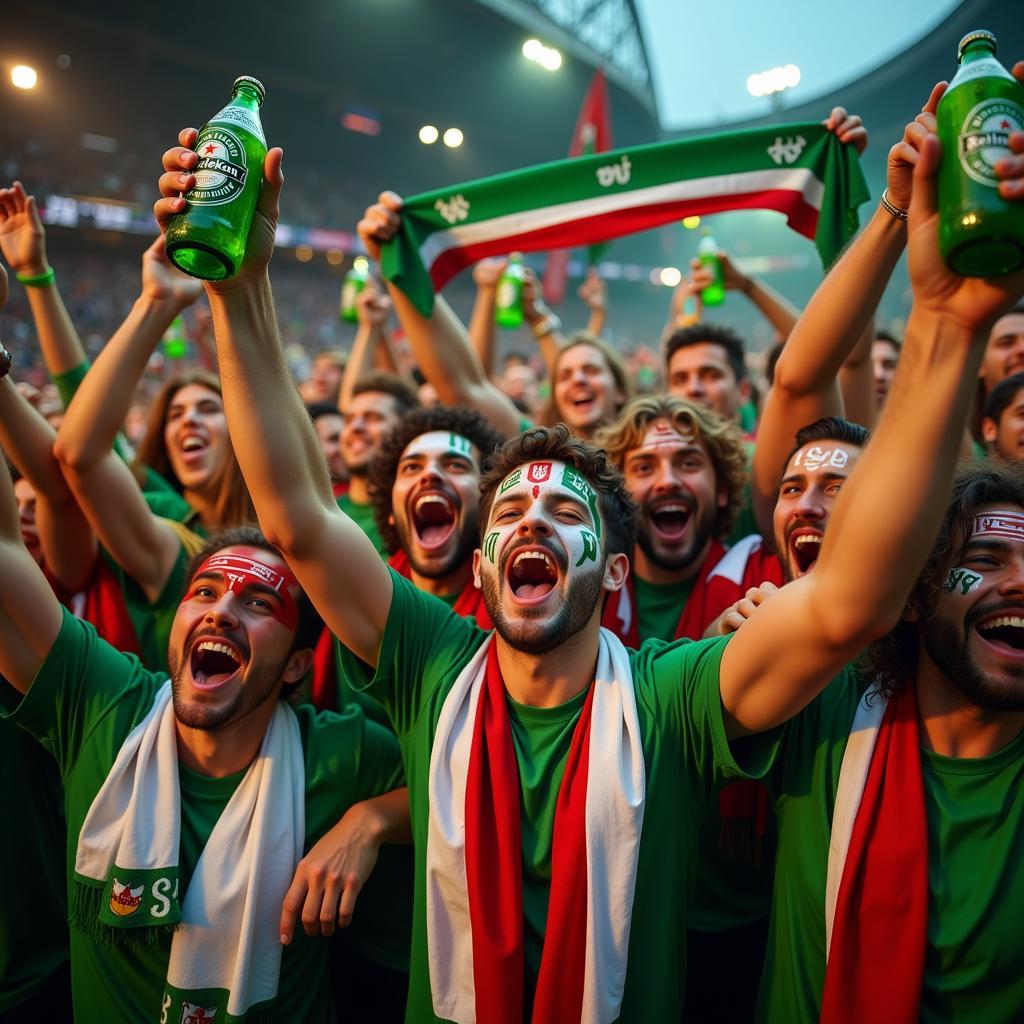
(454, 210)
(191, 1013)
(124, 900)
(787, 152)
(539, 472)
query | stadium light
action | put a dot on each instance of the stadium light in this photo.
(532, 49)
(775, 80)
(546, 56)
(691, 222)
(23, 77)
(670, 276)
(428, 135)
(453, 138)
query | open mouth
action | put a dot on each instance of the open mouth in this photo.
(805, 546)
(433, 518)
(668, 521)
(1003, 631)
(583, 401)
(532, 575)
(213, 662)
(192, 448)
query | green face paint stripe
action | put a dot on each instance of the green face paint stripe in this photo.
(580, 485)
(965, 579)
(460, 444)
(511, 480)
(490, 542)
(589, 548)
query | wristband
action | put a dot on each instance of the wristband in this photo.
(42, 280)
(5, 361)
(548, 325)
(894, 210)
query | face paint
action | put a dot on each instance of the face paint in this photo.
(489, 542)
(242, 568)
(662, 434)
(442, 441)
(511, 480)
(1007, 525)
(964, 580)
(579, 484)
(589, 548)
(821, 458)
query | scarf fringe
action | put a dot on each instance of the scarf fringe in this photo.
(84, 915)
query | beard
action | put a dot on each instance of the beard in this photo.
(526, 633)
(433, 569)
(246, 697)
(676, 558)
(947, 645)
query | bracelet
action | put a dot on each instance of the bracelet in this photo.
(5, 361)
(47, 277)
(894, 210)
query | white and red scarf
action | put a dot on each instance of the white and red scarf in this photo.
(876, 892)
(474, 853)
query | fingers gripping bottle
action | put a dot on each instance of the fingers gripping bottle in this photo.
(707, 253)
(207, 239)
(980, 233)
(354, 283)
(508, 310)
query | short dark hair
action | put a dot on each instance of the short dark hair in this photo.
(710, 334)
(891, 338)
(1000, 397)
(829, 428)
(389, 384)
(318, 409)
(310, 626)
(618, 513)
(384, 466)
(889, 661)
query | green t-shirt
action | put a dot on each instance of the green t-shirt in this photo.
(687, 758)
(82, 705)
(362, 516)
(974, 968)
(33, 904)
(658, 607)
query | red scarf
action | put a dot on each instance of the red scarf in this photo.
(470, 603)
(875, 968)
(494, 867)
(101, 602)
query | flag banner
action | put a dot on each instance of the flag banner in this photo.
(801, 170)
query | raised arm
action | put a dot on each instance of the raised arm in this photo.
(373, 309)
(440, 343)
(67, 541)
(806, 385)
(273, 438)
(594, 293)
(140, 542)
(888, 514)
(482, 328)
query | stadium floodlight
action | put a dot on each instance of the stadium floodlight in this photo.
(428, 135)
(453, 138)
(546, 56)
(774, 80)
(550, 59)
(532, 49)
(691, 222)
(670, 276)
(23, 77)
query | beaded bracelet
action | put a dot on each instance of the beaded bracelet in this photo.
(894, 210)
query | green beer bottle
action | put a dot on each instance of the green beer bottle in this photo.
(707, 253)
(354, 283)
(175, 341)
(508, 310)
(980, 233)
(207, 239)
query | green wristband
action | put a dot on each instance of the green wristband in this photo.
(47, 277)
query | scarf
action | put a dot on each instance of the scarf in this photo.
(126, 866)
(876, 893)
(474, 853)
(101, 602)
(801, 170)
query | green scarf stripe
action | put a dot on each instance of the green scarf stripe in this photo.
(445, 229)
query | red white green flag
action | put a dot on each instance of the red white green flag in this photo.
(801, 170)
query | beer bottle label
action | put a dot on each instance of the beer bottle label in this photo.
(243, 117)
(984, 139)
(220, 171)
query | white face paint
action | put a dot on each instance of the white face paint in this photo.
(962, 581)
(817, 458)
(559, 494)
(662, 434)
(440, 442)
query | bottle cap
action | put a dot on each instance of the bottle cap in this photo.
(254, 82)
(973, 37)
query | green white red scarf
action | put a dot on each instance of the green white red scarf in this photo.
(801, 170)
(474, 853)
(876, 892)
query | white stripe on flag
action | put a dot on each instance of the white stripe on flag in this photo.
(793, 179)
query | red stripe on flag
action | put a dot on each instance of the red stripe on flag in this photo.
(802, 217)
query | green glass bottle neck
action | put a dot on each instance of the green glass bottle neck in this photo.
(978, 51)
(249, 98)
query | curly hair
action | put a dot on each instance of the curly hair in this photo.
(710, 334)
(384, 468)
(889, 661)
(720, 438)
(557, 444)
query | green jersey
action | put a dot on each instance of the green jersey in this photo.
(82, 705)
(362, 516)
(974, 968)
(687, 758)
(659, 607)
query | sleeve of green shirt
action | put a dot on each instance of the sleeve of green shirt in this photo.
(424, 644)
(85, 700)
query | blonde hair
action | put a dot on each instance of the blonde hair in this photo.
(720, 437)
(616, 367)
